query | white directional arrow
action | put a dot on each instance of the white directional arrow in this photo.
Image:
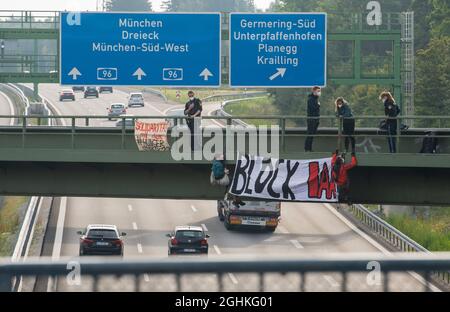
(206, 74)
(74, 73)
(139, 73)
(280, 72)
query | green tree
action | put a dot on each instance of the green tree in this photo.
(422, 10)
(440, 18)
(433, 79)
(129, 5)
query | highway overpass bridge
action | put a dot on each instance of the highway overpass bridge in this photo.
(80, 160)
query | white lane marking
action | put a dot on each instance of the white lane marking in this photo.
(233, 278)
(374, 243)
(193, 208)
(168, 109)
(59, 229)
(231, 275)
(11, 107)
(282, 229)
(297, 244)
(130, 208)
(204, 227)
(331, 280)
(135, 227)
(146, 277)
(139, 248)
(145, 103)
(216, 248)
(273, 239)
(52, 283)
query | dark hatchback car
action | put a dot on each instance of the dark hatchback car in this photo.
(105, 89)
(90, 91)
(188, 240)
(78, 88)
(66, 94)
(101, 239)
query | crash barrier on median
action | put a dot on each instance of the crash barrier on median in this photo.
(350, 272)
(234, 96)
(286, 129)
(392, 236)
(155, 92)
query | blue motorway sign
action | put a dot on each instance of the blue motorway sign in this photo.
(157, 49)
(278, 50)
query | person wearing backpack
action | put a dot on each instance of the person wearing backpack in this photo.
(391, 110)
(339, 175)
(219, 173)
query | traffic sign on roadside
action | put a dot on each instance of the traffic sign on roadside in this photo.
(158, 49)
(278, 50)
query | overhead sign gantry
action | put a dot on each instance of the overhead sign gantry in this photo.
(278, 50)
(155, 49)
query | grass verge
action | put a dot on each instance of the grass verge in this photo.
(9, 223)
(431, 232)
(254, 106)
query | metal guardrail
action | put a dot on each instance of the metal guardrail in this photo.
(25, 237)
(386, 231)
(155, 92)
(349, 273)
(392, 236)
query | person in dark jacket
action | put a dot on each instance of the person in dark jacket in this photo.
(313, 114)
(340, 175)
(193, 108)
(344, 111)
(429, 143)
(391, 110)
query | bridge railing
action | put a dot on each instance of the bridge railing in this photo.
(290, 130)
(350, 272)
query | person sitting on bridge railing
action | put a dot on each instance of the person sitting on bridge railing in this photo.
(391, 110)
(343, 110)
(219, 173)
(340, 175)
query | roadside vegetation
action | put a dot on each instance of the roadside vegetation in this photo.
(432, 232)
(9, 222)
(171, 94)
(254, 106)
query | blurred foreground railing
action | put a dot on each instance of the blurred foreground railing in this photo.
(350, 272)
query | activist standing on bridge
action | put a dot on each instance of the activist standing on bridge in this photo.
(192, 109)
(313, 113)
(391, 110)
(344, 111)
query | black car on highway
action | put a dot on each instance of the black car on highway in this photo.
(90, 91)
(188, 240)
(101, 239)
(78, 88)
(105, 89)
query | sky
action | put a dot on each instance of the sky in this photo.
(78, 5)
